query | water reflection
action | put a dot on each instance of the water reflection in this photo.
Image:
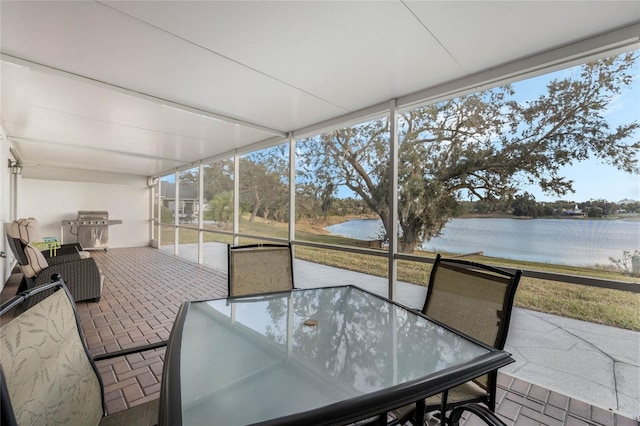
(578, 242)
(361, 340)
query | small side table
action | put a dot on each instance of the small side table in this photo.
(50, 243)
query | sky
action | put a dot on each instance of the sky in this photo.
(592, 179)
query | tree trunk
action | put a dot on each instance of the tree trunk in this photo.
(406, 247)
(409, 240)
(256, 207)
(384, 215)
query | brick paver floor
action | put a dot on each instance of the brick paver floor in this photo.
(143, 290)
(142, 293)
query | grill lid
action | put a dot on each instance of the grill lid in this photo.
(86, 215)
(92, 218)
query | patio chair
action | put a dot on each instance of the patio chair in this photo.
(46, 373)
(83, 276)
(18, 249)
(26, 231)
(259, 268)
(477, 300)
(478, 411)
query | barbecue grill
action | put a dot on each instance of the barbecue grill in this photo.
(92, 229)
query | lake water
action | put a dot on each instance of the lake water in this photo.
(578, 242)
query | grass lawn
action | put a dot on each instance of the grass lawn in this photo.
(604, 306)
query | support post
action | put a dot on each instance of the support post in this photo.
(201, 214)
(292, 192)
(393, 203)
(236, 197)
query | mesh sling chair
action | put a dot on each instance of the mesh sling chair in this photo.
(476, 300)
(46, 373)
(259, 268)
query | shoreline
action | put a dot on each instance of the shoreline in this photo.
(631, 218)
(590, 231)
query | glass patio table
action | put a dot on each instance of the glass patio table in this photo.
(321, 356)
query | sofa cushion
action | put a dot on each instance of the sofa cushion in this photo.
(36, 259)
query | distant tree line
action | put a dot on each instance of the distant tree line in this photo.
(525, 205)
(522, 205)
(264, 189)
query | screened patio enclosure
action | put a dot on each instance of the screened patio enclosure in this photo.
(105, 105)
(103, 100)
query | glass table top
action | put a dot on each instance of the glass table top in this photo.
(247, 360)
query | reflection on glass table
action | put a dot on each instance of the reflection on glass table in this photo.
(310, 356)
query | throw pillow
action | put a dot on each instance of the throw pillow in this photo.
(37, 261)
(28, 229)
(14, 229)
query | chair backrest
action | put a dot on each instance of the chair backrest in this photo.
(47, 375)
(259, 268)
(26, 229)
(18, 250)
(30, 260)
(473, 298)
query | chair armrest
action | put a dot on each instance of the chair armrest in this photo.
(480, 411)
(62, 258)
(64, 250)
(69, 246)
(130, 351)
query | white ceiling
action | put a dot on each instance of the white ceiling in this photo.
(143, 87)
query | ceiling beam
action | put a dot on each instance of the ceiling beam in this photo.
(123, 90)
(98, 149)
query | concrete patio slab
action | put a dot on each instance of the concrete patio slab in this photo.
(579, 359)
(591, 362)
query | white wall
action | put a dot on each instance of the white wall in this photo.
(5, 207)
(51, 201)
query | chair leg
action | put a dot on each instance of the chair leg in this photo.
(492, 386)
(443, 407)
(420, 407)
(23, 285)
(382, 420)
